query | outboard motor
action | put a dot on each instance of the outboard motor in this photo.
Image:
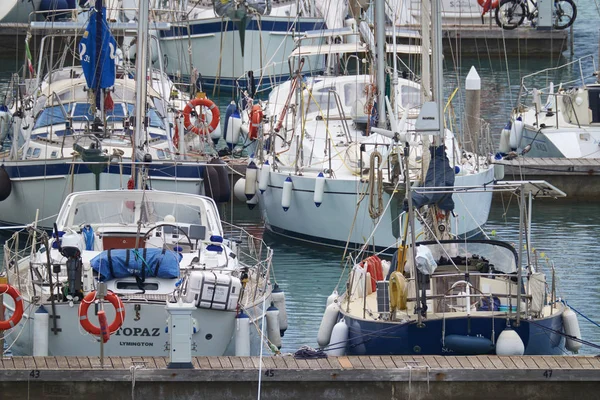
(70, 246)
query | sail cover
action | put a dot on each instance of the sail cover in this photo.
(439, 174)
(97, 52)
(142, 263)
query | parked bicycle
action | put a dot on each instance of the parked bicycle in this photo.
(511, 13)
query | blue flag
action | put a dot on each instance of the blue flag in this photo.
(97, 53)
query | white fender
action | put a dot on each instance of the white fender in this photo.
(319, 189)
(263, 179)
(505, 139)
(273, 326)
(332, 297)
(516, 132)
(571, 326)
(286, 196)
(239, 188)
(251, 175)
(232, 136)
(279, 301)
(252, 202)
(509, 343)
(328, 321)
(242, 335)
(339, 338)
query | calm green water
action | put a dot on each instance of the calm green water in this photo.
(568, 232)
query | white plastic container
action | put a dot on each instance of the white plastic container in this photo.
(212, 290)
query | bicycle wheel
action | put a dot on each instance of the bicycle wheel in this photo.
(565, 12)
(510, 14)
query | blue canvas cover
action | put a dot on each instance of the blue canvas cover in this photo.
(97, 52)
(439, 174)
(141, 263)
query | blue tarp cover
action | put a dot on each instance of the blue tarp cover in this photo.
(142, 263)
(439, 174)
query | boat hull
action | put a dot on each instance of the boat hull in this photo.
(388, 338)
(43, 186)
(337, 221)
(266, 42)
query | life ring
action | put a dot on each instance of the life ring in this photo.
(93, 329)
(187, 123)
(256, 116)
(18, 313)
(488, 6)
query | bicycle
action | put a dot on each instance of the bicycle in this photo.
(511, 13)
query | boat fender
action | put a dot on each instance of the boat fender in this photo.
(339, 339)
(263, 179)
(516, 133)
(238, 189)
(279, 302)
(242, 334)
(572, 330)
(504, 147)
(319, 189)
(286, 196)
(41, 321)
(251, 175)
(5, 184)
(18, 312)
(487, 6)
(233, 128)
(332, 297)
(468, 345)
(273, 326)
(211, 182)
(223, 179)
(252, 202)
(509, 343)
(330, 317)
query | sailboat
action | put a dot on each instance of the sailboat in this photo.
(557, 121)
(73, 128)
(444, 296)
(332, 177)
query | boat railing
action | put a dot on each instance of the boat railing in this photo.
(577, 69)
(251, 249)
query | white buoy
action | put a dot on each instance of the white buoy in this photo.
(571, 326)
(234, 123)
(509, 343)
(279, 302)
(339, 338)
(505, 138)
(41, 322)
(319, 189)
(286, 196)
(332, 297)
(516, 133)
(328, 321)
(242, 334)
(251, 175)
(273, 326)
(263, 179)
(216, 134)
(239, 188)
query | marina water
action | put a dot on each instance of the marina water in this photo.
(566, 231)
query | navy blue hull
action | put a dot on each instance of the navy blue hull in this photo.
(387, 338)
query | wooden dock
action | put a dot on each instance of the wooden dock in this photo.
(373, 377)
(578, 178)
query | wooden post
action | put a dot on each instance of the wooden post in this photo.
(472, 111)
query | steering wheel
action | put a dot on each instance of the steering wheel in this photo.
(147, 235)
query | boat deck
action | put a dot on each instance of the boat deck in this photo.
(420, 377)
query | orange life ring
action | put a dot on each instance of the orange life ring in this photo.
(488, 6)
(18, 313)
(187, 123)
(256, 116)
(93, 329)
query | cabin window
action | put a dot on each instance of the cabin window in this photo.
(37, 152)
(317, 103)
(52, 116)
(353, 92)
(54, 154)
(29, 150)
(132, 285)
(155, 119)
(160, 154)
(410, 96)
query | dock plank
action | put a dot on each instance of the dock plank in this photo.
(334, 362)
(19, 363)
(345, 363)
(367, 363)
(562, 363)
(149, 361)
(442, 362)
(8, 363)
(73, 362)
(485, 362)
(40, 363)
(585, 364)
(594, 361)
(431, 361)
(518, 361)
(453, 361)
(214, 362)
(51, 362)
(475, 362)
(552, 364)
(508, 363)
(226, 363)
(377, 362)
(464, 362)
(161, 362)
(356, 362)
(303, 364)
(247, 362)
(203, 362)
(496, 361)
(324, 363)
(529, 363)
(539, 360)
(237, 362)
(313, 364)
(573, 362)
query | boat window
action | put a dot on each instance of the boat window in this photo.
(104, 212)
(158, 211)
(353, 92)
(317, 103)
(132, 285)
(410, 96)
(160, 154)
(479, 256)
(29, 150)
(82, 112)
(37, 152)
(54, 154)
(51, 116)
(155, 120)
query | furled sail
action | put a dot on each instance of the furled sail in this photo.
(97, 51)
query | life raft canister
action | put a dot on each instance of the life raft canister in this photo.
(191, 105)
(93, 329)
(18, 300)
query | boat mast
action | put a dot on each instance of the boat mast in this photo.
(141, 69)
(438, 73)
(380, 44)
